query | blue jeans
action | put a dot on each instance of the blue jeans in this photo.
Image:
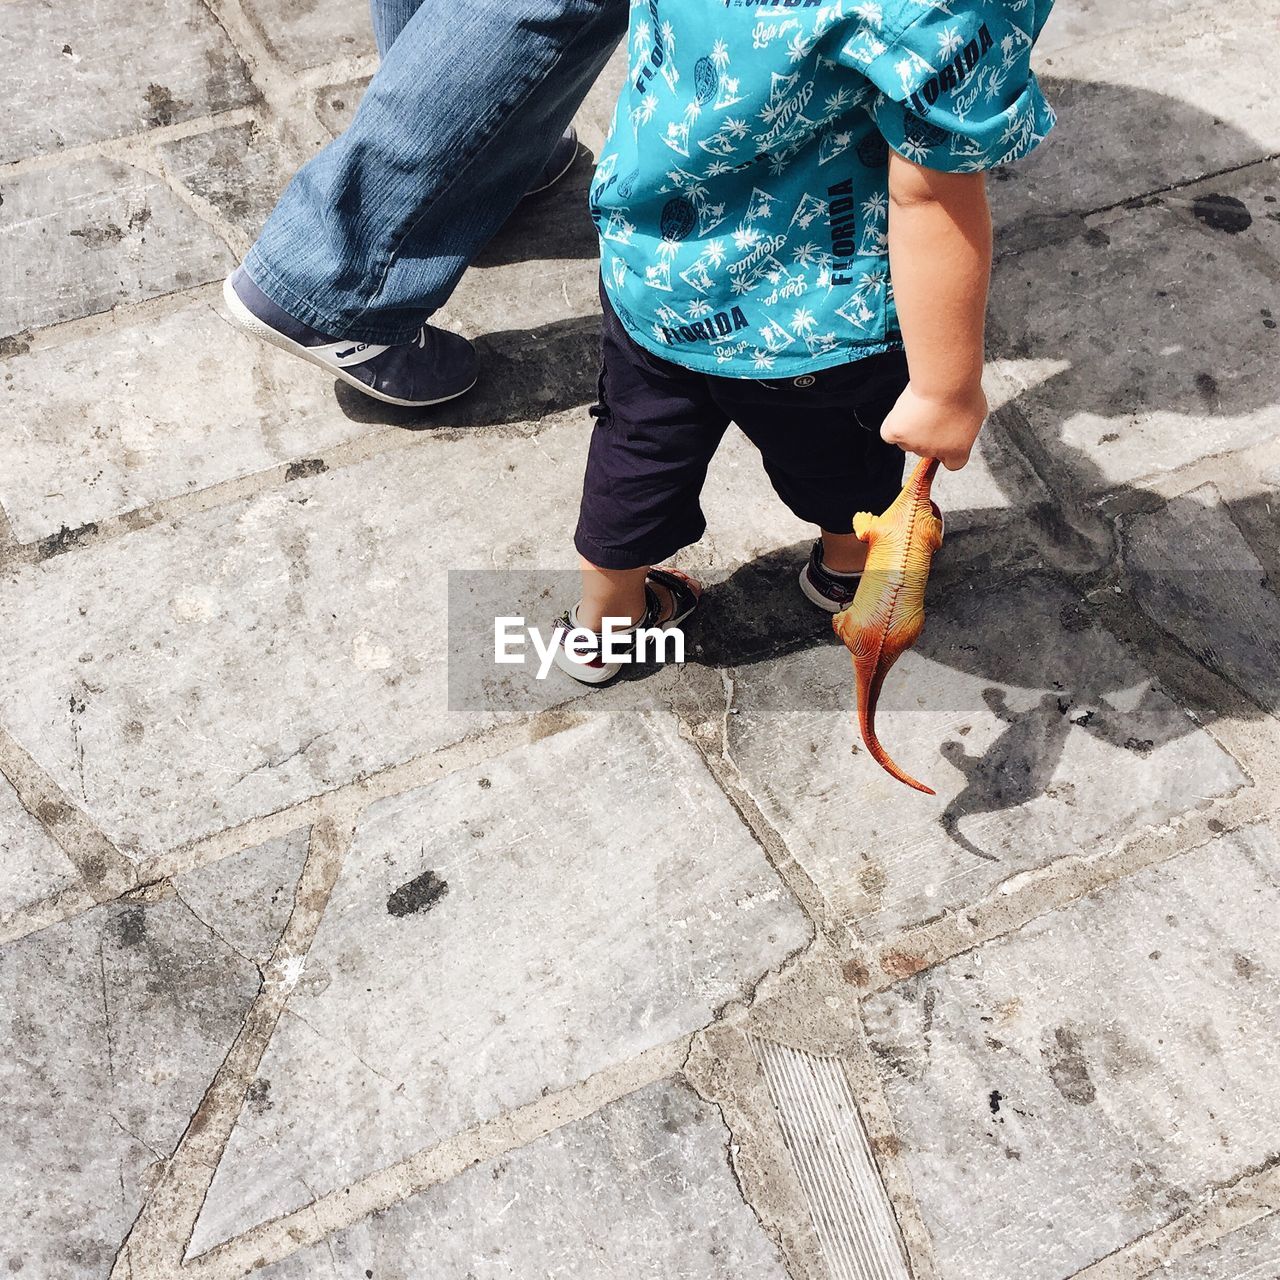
(374, 232)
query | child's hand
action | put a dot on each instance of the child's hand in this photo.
(942, 427)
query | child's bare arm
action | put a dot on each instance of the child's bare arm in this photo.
(940, 263)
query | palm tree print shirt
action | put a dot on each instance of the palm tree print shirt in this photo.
(742, 196)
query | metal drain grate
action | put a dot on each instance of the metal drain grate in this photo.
(847, 1200)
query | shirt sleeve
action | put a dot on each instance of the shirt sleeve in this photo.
(955, 89)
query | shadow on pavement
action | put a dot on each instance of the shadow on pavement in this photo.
(1194, 567)
(551, 225)
(1124, 325)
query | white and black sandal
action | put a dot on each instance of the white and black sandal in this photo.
(591, 668)
(828, 590)
(686, 593)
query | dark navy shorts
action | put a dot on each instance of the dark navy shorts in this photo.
(658, 425)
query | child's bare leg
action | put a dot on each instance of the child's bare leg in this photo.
(610, 593)
(617, 593)
(843, 552)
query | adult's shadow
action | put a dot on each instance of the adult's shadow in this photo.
(1140, 316)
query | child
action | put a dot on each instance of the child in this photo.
(792, 193)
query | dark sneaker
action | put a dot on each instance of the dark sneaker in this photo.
(666, 611)
(828, 590)
(436, 366)
(560, 162)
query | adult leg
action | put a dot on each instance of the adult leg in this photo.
(372, 235)
(390, 17)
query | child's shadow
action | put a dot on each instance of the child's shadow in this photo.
(1161, 311)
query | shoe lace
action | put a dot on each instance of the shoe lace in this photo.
(421, 339)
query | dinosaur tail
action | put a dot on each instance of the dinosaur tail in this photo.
(921, 479)
(868, 695)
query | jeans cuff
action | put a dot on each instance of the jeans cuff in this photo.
(274, 286)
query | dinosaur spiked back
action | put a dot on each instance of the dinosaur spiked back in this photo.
(887, 613)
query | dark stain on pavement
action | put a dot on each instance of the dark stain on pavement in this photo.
(1068, 1069)
(1207, 386)
(258, 1096)
(420, 894)
(97, 237)
(305, 467)
(16, 344)
(1222, 213)
(64, 540)
(162, 107)
(132, 926)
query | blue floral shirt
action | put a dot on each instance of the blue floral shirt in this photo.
(742, 197)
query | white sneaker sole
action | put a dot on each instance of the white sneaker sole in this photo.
(813, 596)
(583, 673)
(244, 319)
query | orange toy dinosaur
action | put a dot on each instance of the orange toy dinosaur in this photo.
(887, 613)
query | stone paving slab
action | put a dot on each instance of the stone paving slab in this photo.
(1150, 99)
(247, 899)
(1042, 735)
(113, 67)
(111, 1027)
(1247, 487)
(1100, 1070)
(184, 400)
(641, 1188)
(222, 665)
(1151, 320)
(32, 866)
(1250, 1253)
(87, 238)
(100, 425)
(848, 1205)
(1197, 579)
(312, 34)
(492, 939)
(271, 648)
(286, 644)
(240, 170)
